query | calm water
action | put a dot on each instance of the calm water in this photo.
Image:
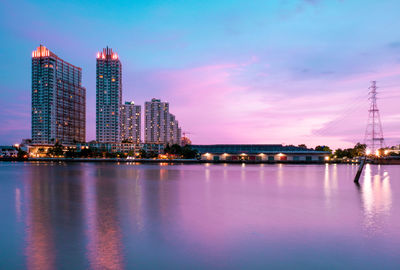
(109, 216)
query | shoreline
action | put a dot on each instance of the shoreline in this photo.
(195, 161)
(182, 161)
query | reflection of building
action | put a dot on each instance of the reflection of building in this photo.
(46, 216)
(130, 122)
(58, 100)
(108, 96)
(160, 125)
(259, 152)
(104, 239)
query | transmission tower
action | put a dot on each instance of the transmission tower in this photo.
(373, 133)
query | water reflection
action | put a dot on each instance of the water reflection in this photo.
(39, 232)
(376, 198)
(104, 248)
(330, 183)
(109, 216)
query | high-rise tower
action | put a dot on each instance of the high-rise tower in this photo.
(130, 122)
(374, 134)
(58, 100)
(108, 96)
(160, 125)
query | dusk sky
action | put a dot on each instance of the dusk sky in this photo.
(233, 71)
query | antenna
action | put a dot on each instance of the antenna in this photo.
(373, 133)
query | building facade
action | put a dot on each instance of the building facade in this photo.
(58, 100)
(259, 153)
(131, 122)
(161, 127)
(108, 96)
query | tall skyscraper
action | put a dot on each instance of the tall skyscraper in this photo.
(131, 122)
(160, 125)
(108, 96)
(58, 100)
(174, 130)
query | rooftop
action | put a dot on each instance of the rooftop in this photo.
(253, 149)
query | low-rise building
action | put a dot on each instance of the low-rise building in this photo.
(122, 147)
(259, 152)
(8, 151)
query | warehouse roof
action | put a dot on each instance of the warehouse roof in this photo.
(253, 149)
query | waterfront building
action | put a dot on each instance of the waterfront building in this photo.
(108, 96)
(161, 127)
(8, 151)
(58, 100)
(130, 122)
(122, 147)
(259, 152)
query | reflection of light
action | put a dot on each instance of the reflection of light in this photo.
(377, 199)
(18, 203)
(39, 234)
(104, 238)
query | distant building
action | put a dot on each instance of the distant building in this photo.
(122, 147)
(58, 100)
(8, 151)
(108, 96)
(174, 130)
(161, 127)
(130, 122)
(259, 152)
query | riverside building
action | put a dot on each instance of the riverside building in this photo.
(130, 122)
(161, 127)
(108, 96)
(58, 100)
(259, 153)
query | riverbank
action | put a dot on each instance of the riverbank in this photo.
(381, 161)
(181, 161)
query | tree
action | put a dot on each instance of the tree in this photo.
(302, 146)
(22, 154)
(323, 148)
(188, 152)
(56, 150)
(359, 149)
(356, 151)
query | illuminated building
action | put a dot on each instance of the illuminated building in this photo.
(58, 100)
(160, 125)
(259, 153)
(108, 96)
(130, 122)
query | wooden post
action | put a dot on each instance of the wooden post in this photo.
(360, 169)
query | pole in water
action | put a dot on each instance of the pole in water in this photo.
(360, 169)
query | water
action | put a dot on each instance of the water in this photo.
(112, 216)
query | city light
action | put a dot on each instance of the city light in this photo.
(368, 152)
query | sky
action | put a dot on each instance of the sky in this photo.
(277, 71)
